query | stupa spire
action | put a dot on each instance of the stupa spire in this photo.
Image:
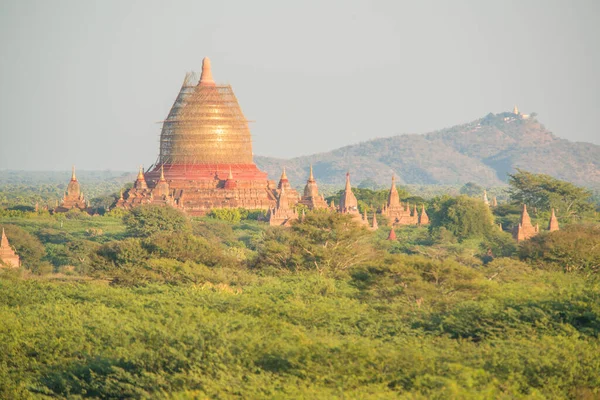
(375, 225)
(162, 173)
(73, 177)
(392, 235)
(393, 197)
(283, 175)
(3, 239)
(311, 178)
(553, 224)
(206, 78)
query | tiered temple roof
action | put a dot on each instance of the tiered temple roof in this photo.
(399, 214)
(312, 199)
(73, 197)
(349, 203)
(525, 230)
(283, 214)
(141, 193)
(8, 255)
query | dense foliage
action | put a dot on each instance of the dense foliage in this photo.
(545, 193)
(153, 304)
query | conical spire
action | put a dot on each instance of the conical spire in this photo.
(206, 78)
(311, 178)
(485, 198)
(348, 202)
(282, 201)
(423, 218)
(283, 175)
(525, 219)
(393, 197)
(162, 173)
(375, 224)
(140, 182)
(73, 177)
(516, 110)
(392, 235)
(4, 240)
(553, 224)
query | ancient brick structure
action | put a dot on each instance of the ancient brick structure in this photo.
(8, 256)
(312, 199)
(205, 154)
(392, 235)
(284, 213)
(525, 230)
(423, 218)
(553, 223)
(73, 197)
(399, 214)
(141, 193)
(349, 203)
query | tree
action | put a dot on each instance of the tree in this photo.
(464, 216)
(325, 242)
(148, 220)
(471, 189)
(545, 192)
(28, 247)
(574, 248)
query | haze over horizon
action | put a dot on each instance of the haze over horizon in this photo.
(85, 83)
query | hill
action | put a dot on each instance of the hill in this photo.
(483, 151)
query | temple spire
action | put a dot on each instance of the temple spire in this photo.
(375, 225)
(283, 175)
(553, 224)
(206, 78)
(393, 197)
(3, 239)
(348, 186)
(162, 173)
(311, 178)
(73, 177)
(392, 235)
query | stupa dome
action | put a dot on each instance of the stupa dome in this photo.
(205, 125)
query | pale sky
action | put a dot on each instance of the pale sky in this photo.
(86, 82)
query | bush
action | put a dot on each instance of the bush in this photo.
(574, 248)
(145, 221)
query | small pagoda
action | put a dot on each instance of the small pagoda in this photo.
(349, 203)
(8, 255)
(553, 223)
(401, 214)
(141, 193)
(73, 197)
(525, 230)
(283, 214)
(312, 199)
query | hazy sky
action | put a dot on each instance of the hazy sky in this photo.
(86, 82)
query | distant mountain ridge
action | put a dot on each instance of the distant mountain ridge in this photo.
(483, 151)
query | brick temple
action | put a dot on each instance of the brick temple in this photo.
(73, 197)
(205, 158)
(8, 256)
(402, 214)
